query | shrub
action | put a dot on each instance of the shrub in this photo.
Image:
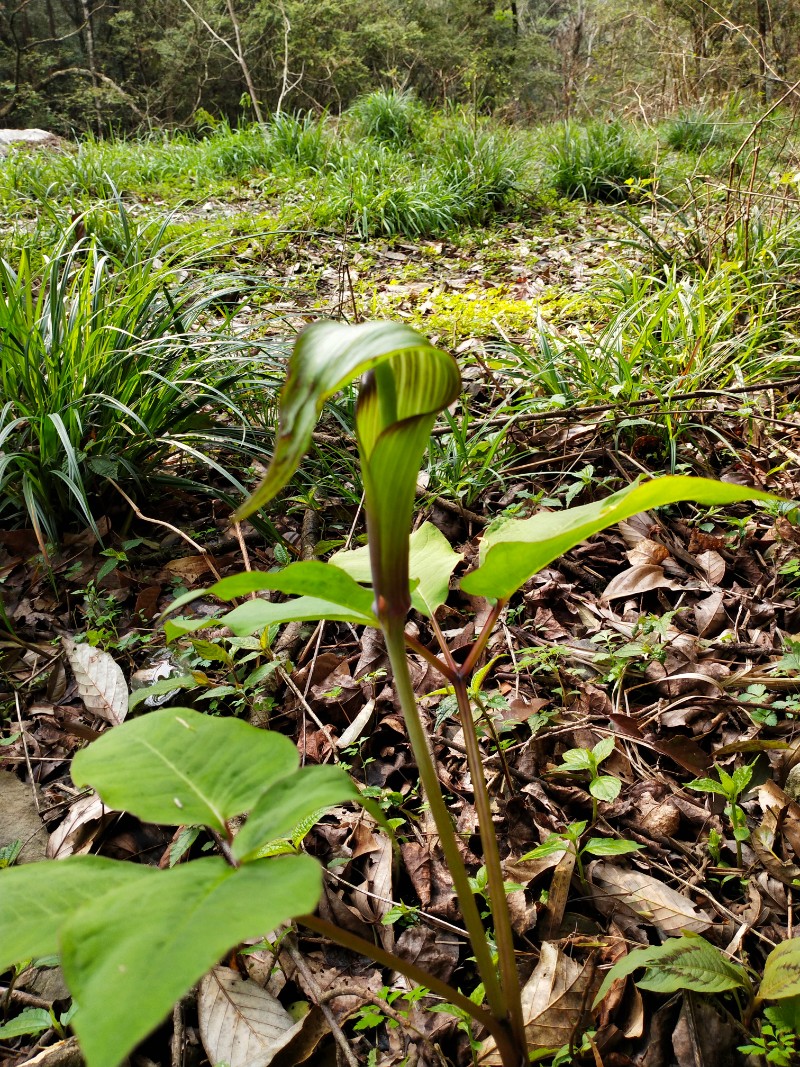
(484, 166)
(121, 373)
(595, 162)
(694, 131)
(390, 116)
(297, 139)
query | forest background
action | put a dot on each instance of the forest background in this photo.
(78, 65)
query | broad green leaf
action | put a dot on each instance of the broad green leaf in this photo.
(179, 767)
(690, 962)
(430, 564)
(30, 1021)
(131, 955)
(327, 356)
(609, 846)
(306, 578)
(513, 550)
(256, 615)
(605, 787)
(687, 962)
(288, 802)
(37, 898)
(782, 972)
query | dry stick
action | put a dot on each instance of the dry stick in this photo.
(178, 1032)
(167, 526)
(316, 992)
(389, 960)
(27, 754)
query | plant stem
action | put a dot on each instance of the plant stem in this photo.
(504, 935)
(395, 646)
(420, 977)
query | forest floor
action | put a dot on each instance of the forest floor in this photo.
(676, 633)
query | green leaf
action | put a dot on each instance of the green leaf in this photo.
(327, 356)
(431, 562)
(288, 802)
(29, 1021)
(690, 962)
(640, 957)
(36, 898)
(163, 685)
(782, 972)
(603, 749)
(179, 767)
(687, 962)
(707, 785)
(609, 846)
(304, 578)
(577, 759)
(605, 787)
(554, 843)
(130, 956)
(256, 615)
(513, 550)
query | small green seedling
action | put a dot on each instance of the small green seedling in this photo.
(570, 839)
(587, 761)
(731, 787)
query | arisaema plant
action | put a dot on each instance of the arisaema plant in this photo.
(175, 766)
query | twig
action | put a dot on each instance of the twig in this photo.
(27, 754)
(168, 526)
(315, 991)
(178, 1031)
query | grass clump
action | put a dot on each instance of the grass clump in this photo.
(120, 374)
(389, 116)
(598, 161)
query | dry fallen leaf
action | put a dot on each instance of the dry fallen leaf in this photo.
(631, 898)
(713, 566)
(642, 578)
(20, 819)
(555, 1000)
(243, 1025)
(75, 835)
(101, 683)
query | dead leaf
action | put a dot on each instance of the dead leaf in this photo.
(77, 832)
(190, 568)
(647, 552)
(555, 1000)
(710, 615)
(243, 1025)
(713, 566)
(633, 898)
(642, 578)
(101, 683)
